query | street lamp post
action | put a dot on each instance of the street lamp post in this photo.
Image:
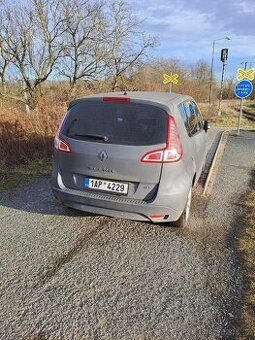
(211, 73)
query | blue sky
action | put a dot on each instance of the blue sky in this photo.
(186, 29)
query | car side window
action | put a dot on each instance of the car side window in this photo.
(184, 117)
(199, 116)
(192, 118)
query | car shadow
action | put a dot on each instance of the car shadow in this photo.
(35, 196)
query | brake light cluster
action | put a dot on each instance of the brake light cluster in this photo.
(173, 150)
(116, 99)
(60, 144)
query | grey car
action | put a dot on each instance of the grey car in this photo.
(133, 155)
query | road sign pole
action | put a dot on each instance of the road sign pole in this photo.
(170, 84)
(221, 88)
(243, 89)
(240, 117)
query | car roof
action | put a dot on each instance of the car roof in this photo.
(161, 98)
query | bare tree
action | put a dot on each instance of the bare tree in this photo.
(3, 70)
(148, 77)
(3, 66)
(228, 91)
(82, 40)
(200, 72)
(30, 38)
(199, 78)
(125, 43)
(78, 39)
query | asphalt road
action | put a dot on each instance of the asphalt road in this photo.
(67, 275)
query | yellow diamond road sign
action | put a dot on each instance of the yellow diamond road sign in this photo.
(170, 79)
(245, 74)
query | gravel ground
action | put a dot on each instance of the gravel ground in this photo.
(67, 275)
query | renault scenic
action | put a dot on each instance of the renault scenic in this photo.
(133, 155)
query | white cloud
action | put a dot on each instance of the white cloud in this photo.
(190, 24)
(187, 28)
(245, 7)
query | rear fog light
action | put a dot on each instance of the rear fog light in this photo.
(158, 217)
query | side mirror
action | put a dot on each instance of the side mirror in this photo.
(206, 125)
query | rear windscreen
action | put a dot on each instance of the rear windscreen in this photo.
(116, 123)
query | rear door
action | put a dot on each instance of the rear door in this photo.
(195, 126)
(107, 140)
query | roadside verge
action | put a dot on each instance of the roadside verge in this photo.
(246, 247)
(215, 163)
(212, 173)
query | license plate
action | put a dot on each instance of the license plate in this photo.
(103, 185)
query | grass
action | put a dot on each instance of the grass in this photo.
(251, 106)
(12, 175)
(229, 113)
(8, 183)
(230, 120)
(246, 245)
(26, 140)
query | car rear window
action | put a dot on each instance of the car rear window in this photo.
(116, 123)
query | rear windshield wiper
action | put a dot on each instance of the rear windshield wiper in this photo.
(100, 137)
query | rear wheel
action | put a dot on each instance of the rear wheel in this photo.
(182, 222)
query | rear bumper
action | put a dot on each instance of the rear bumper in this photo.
(117, 206)
(103, 205)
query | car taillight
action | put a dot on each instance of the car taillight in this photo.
(173, 150)
(60, 144)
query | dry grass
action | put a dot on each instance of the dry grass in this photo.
(11, 176)
(246, 246)
(229, 113)
(26, 136)
(26, 142)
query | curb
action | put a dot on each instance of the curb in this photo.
(216, 158)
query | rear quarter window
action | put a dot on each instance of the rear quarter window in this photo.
(199, 115)
(117, 123)
(191, 117)
(184, 117)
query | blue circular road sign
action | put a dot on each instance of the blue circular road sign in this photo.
(243, 89)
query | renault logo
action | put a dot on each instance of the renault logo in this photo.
(102, 156)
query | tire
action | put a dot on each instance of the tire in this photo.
(182, 222)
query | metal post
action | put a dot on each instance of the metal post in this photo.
(211, 75)
(240, 117)
(241, 108)
(170, 84)
(221, 88)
